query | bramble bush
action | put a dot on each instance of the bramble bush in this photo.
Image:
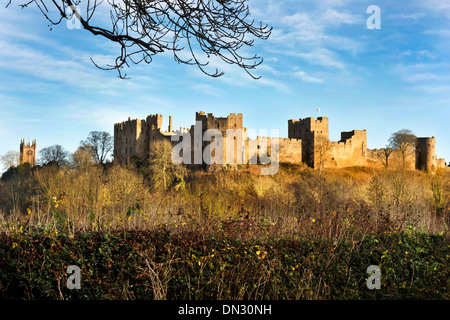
(160, 264)
(300, 234)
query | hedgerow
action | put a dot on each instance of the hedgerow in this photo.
(162, 264)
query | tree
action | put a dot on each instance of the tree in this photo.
(145, 28)
(387, 153)
(10, 159)
(163, 172)
(54, 154)
(82, 158)
(404, 141)
(322, 148)
(100, 144)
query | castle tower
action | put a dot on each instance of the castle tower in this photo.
(303, 128)
(232, 144)
(170, 124)
(311, 132)
(426, 154)
(155, 121)
(28, 152)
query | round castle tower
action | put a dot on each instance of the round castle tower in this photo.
(426, 154)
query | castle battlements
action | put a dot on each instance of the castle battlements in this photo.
(28, 152)
(307, 142)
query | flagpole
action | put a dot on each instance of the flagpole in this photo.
(318, 111)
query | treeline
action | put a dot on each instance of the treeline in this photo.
(153, 230)
(160, 264)
(331, 203)
(96, 148)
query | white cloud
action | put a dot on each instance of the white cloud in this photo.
(439, 32)
(419, 54)
(305, 77)
(321, 56)
(433, 88)
(207, 89)
(336, 18)
(426, 77)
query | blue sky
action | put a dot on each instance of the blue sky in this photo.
(320, 55)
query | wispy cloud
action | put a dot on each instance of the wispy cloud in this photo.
(333, 17)
(417, 77)
(433, 88)
(438, 32)
(305, 77)
(321, 57)
(208, 89)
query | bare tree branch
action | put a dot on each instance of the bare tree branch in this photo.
(144, 28)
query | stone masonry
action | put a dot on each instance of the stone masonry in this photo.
(308, 143)
(28, 152)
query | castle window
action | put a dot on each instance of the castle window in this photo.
(131, 150)
(126, 150)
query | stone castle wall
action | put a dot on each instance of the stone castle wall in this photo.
(308, 142)
(134, 138)
(351, 150)
(27, 152)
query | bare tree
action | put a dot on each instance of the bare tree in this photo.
(100, 144)
(54, 154)
(144, 28)
(82, 158)
(404, 141)
(387, 153)
(10, 159)
(164, 173)
(322, 149)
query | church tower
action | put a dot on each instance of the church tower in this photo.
(28, 152)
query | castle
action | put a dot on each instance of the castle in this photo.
(28, 152)
(308, 142)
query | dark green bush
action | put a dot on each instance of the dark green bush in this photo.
(162, 265)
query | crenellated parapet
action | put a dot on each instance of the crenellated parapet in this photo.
(426, 154)
(28, 152)
(307, 142)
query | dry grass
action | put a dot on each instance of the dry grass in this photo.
(298, 200)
